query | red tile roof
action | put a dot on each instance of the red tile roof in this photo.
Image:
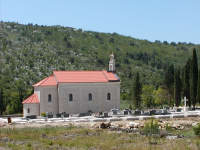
(31, 99)
(84, 76)
(111, 76)
(47, 81)
(78, 77)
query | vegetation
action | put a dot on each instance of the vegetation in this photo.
(43, 114)
(151, 127)
(198, 90)
(186, 82)
(28, 53)
(197, 130)
(193, 78)
(71, 137)
(147, 96)
(137, 91)
(177, 88)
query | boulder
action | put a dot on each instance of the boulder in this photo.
(195, 124)
(163, 133)
(134, 125)
(105, 125)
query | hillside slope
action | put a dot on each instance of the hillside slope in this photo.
(28, 53)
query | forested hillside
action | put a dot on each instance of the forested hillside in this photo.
(28, 53)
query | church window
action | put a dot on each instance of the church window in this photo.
(108, 96)
(90, 97)
(28, 110)
(70, 97)
(49, 98)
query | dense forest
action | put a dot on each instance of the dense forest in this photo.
(28, 53)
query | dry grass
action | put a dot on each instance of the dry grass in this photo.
(88, 139)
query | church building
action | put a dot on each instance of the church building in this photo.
(75, 92)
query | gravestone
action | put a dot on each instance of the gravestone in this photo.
(137, 112)
(125, 112)
(105, 114)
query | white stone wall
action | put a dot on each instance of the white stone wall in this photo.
(33, 108)
(80, 104)
(46, 106)
(80, 91)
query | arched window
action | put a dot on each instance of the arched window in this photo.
(108, 96)
(49, 98)
(90, 97)
(28, 110)
(70, 97)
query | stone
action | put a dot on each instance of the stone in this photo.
(105, 114)
(125, 112)
(114, 111)
(195, 124)
(105, 125)
(152, 112)
(58, 115)
(31, 117)
(137, 112)
(43, 135)
(5, 139)
(171, 137)
(133, 125)
(163, 133)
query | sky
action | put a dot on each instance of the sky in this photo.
(164, 20)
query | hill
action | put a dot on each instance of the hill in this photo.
(28, 53)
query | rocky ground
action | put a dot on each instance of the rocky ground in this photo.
(176, 123)
(100, 135)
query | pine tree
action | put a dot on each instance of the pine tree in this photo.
(194, 78)
(137, 91)
(177, 88)
(187, 82)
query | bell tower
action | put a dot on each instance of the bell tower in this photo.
(112, 63)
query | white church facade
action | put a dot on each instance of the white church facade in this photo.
(75, 92)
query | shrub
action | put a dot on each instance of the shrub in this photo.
(151, 128)
(168, 128)
(43, 114)
(50, 143)
(196, 130)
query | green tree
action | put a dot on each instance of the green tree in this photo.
(161, 96)
(193, 78)
(169, 82)
(186, 82)
(1, 101)
(198, 89)
(147, 96)
(177, 87)
(21, 90)
(137, 91)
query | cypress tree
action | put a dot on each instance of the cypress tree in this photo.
(137, 91)
(177, 88)
(194, 78)
(198, 89)
(1, 101)
(187, 82)
(169, 81)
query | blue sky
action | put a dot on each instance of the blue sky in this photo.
(170, 20)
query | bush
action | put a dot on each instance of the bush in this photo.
(151, 128)
(43, 114)
(168, 128)
(196, 130)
